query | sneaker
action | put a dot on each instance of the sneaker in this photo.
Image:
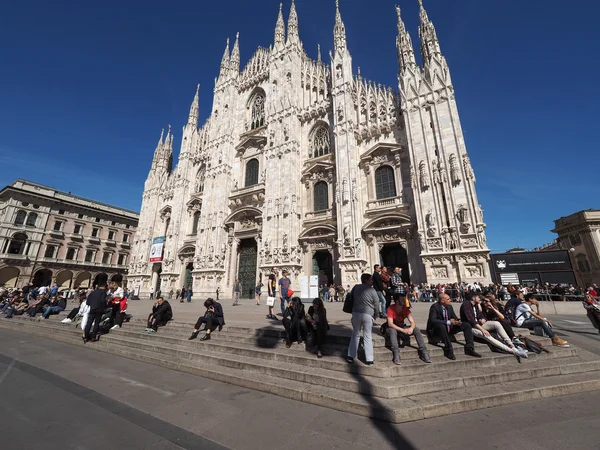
(518, 341)
(349, 359)
(114, 327)
(558, 342)
(66, 320)
(369, 363)
(520, 352)
(151, 330)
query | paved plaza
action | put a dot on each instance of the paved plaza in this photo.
(61, 396)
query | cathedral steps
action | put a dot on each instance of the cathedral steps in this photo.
(408, 392)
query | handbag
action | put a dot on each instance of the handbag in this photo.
(290, 293)
(349, 302)
(270, 301)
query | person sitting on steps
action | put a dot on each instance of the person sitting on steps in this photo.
(397, 313)
(317, 319)
(592, 307)
(213, 318)
(160, 316)
(443, 323)
(294, 322)
(470, 312)
(75, 311)
(526, 318)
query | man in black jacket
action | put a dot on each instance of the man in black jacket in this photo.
(97, 303)
(213, 318)
(378, 286)
(161, 314)
(443, 322)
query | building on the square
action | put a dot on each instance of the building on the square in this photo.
(48, 236)
(579, 233)
(307, 166)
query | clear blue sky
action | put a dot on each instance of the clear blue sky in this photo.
(85, 88)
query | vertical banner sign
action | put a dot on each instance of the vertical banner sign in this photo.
(156, 251)
(313, 286)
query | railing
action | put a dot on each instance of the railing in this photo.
(386, 202)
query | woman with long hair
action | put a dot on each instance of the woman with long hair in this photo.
(317, 319)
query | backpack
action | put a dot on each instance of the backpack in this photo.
(533, 346)
(349, 302)
(509, 314)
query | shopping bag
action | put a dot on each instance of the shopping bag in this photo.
(270, 301)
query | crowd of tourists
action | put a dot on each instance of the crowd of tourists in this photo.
(489, 314)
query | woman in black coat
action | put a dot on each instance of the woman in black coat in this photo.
(294, 322)
(213, 318)
(317, 319)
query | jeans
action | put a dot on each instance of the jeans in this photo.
(94, 317)
(284, 299)
(532, 323)
(325, 297)
(494, 327)
(364, 322)
(395, 334)
(382, 307)
(51, 310)
(189, 297)
(12, 311)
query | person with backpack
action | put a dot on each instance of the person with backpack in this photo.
(526, 318)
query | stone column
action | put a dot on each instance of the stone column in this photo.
(233, 263)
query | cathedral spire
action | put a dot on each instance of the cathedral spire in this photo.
(169, 140)
(319, 52)
(280, 30)
(160, 140)
(225, 63)
(292, 31)
(193, 117)
(339, 31)
(234, 64)
(406, 52)
(430, 45)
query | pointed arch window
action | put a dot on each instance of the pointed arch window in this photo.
(257, 118)
(385, 184)
(200, 179)
(32, 219)
(321, 196)
(20, 218)
(320, 141)
(251, 172)
(195, 223)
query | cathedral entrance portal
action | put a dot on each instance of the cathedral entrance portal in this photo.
(323, 267)
(247, 264)
(394, 255)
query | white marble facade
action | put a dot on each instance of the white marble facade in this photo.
(305, 163)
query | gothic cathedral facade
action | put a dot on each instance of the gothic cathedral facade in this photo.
(308, 167)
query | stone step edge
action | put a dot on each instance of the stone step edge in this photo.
(389, 371)
(377, 372)
(397, 411)
(382, 388)
(332, 378)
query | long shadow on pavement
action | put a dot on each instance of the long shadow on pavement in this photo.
(380, 416)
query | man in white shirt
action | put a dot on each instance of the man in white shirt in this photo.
(526, 318)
